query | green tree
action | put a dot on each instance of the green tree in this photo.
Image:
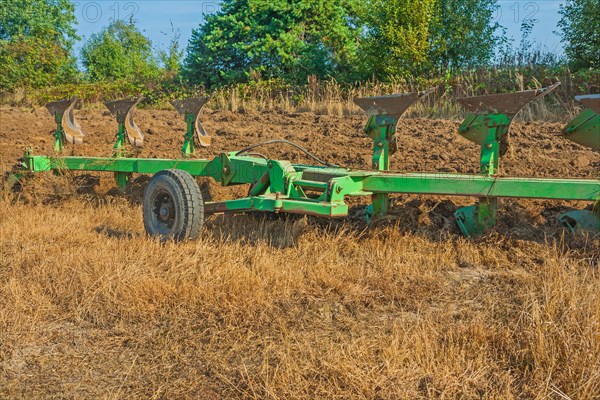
(36, 39)
(415, 37)
(580, 29)
(119, 51)
(462, 34)
(398, 36)
(34, 18)
(274, 38)
(34, 62)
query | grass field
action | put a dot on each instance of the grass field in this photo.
(295, 307)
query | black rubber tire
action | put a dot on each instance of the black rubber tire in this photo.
(173, 206)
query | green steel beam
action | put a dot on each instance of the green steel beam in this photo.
(273, 203)
(230, 170)
(484, 186)
(242, 170)
(584, 129)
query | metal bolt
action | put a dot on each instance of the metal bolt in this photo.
(488, 145)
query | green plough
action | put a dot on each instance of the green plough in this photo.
(174, 208)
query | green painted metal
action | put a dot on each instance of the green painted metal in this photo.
(280, 186)
(59, 135)
(119, 145)
(580, 220)
(248, 170)
(67, 128)
(584, 129)
(244, 170)
(195, 134)
(381, 129)
(278, 203)
(127, 130)
(488, 125)
(488, 131)
(384, 113)
(121, 178)
(476, 219)
(483, 186)
(189, 147)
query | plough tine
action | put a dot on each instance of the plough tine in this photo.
(190, 109)
(123, 110)
(384, 113)
(503, 107)
(68, 127)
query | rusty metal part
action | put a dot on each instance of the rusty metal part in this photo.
(63, 109)
(505, 103)
(394, 105)
(124, 111)
(591, 101)
(192, 107)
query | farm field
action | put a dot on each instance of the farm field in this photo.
(294, 307)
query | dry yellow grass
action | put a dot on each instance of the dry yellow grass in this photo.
(92, 308)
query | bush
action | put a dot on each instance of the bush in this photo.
(119, 51)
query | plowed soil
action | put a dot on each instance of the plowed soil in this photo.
(424, 145)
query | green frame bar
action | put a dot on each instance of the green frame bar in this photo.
(274, 204)
(230, 170)
(484, 186)
(244, 170)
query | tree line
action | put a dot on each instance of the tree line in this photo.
(348, 40)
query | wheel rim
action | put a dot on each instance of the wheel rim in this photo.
(163, 212)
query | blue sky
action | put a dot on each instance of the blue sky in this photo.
(154, 18)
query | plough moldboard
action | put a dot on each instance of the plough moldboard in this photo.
(173, 206)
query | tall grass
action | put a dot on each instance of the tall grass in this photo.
(335, 98)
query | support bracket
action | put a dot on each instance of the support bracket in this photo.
(488, 125)
(67, 127)
(123, 110)
(384, 113)
(195, 134)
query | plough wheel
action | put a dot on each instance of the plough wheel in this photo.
(173, 206)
